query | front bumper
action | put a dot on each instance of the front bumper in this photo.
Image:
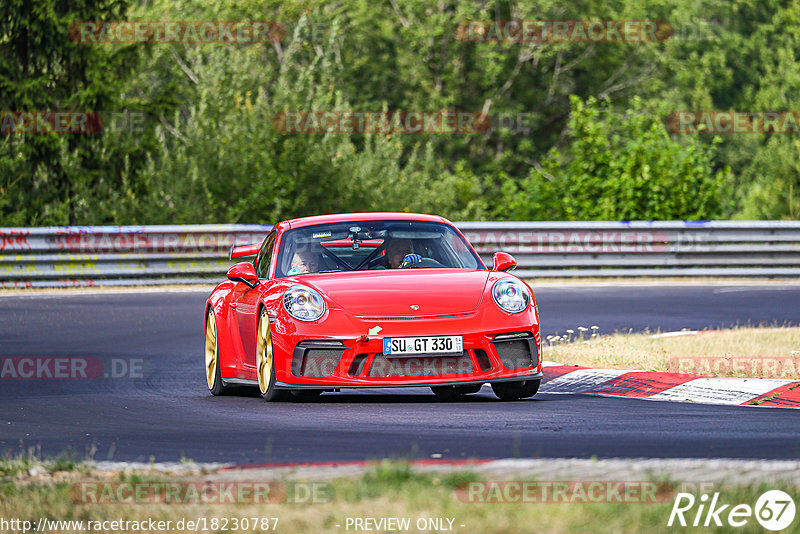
(316, 357)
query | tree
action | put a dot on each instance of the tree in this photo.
(619, 167)
(48, 177)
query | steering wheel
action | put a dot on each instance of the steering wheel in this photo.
(423, 263)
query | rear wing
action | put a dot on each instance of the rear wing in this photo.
(241, 251)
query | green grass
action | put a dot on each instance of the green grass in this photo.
(22, 463)
(389, 489)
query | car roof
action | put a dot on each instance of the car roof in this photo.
(374, 216)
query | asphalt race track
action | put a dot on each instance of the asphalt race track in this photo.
(168, 414)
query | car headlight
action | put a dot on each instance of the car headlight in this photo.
(303, 303)
(510, 295)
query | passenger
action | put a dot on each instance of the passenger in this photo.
(304, 261)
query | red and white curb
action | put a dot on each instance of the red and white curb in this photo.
(651, 385)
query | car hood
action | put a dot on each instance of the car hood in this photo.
(390, 293)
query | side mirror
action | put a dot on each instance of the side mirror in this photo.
(503, 261)
(243, 272)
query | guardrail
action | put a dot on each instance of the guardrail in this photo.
(119, 255)
(150, 255)
(643, 248)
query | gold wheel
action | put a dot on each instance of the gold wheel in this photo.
(212, 350)
(264, 354)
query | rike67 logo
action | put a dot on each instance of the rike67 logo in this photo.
(774, 510)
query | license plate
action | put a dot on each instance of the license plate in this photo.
(402, 346)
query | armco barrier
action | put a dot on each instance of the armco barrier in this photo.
(643, 248)
(151, 255)
(119, 255)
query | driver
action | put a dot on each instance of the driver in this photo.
(398, 254)
(304, 261)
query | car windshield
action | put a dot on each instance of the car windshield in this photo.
(373, 245)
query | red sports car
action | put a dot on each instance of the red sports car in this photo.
(371, 300)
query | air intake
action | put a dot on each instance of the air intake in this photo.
(517, 350)
(317, 359)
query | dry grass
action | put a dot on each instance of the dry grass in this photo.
(739, 352)
(391, 490)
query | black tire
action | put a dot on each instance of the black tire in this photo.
(265, 361)
(455, 392)
(213, 377)
(516, 390)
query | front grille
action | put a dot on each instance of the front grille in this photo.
(422, 365)
(518, 353)
(315, 362)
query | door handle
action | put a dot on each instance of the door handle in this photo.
(234, 305)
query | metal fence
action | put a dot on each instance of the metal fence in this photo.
(119, 255)
(150, 255)
(644, 248)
